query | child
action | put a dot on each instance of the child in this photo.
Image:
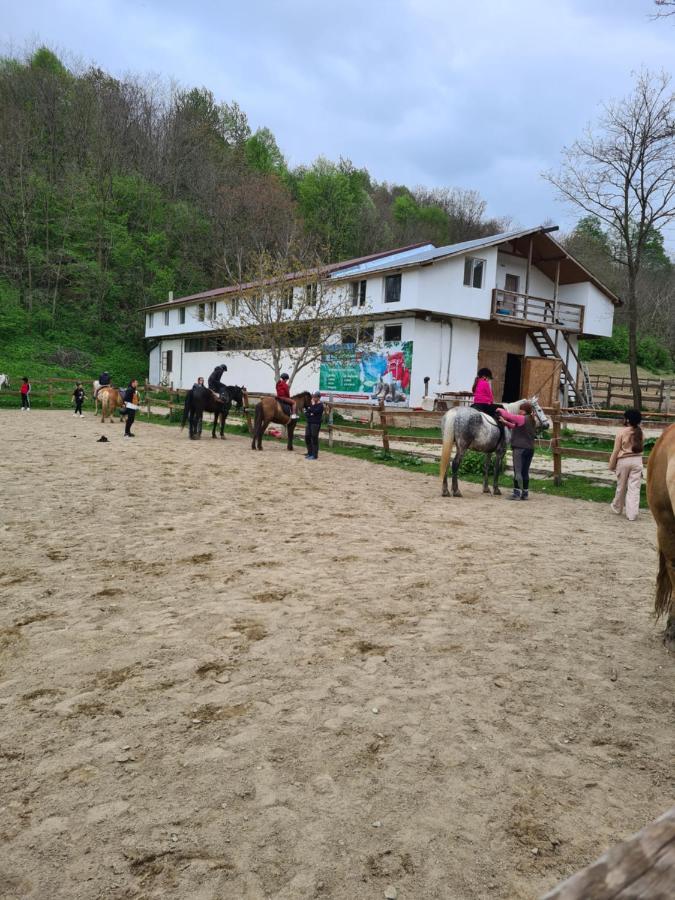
(483, 400)
(626, 461)
(25, 394)
(314, 414)
(78, 399)
(522, 444)
(284, 396)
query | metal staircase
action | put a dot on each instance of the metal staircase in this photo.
(548, 348)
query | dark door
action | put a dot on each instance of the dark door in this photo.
(512, 375)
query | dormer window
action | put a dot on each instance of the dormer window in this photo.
(473, 272)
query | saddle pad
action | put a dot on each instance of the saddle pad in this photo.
(487, 418)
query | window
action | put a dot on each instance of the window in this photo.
(362, 335)
(166, 316)
(311, 292)
(210, 311)
(181, 315)
(392, 333)
(193, 345)
(358, 291)
(233, 307)
(367, 334)
(473, 272)
(151, 319)
(287, 299)
(201, 312)
(348, 336)
(167, 361)
(392, 288)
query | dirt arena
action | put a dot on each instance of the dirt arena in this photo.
(227, 674)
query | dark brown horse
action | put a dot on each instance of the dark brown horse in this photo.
(661, 499)
(268, 410)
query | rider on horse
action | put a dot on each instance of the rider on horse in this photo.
(215, 383)
(284, 396)
(484, 401)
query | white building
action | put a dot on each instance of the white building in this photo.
(516, 302)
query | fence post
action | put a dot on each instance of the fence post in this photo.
(147, 400)
(247, 411)
(609, 393)
(383, 424)
(330, 420)
(51, 397)
(555, 446)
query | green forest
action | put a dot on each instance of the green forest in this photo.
(114, 192)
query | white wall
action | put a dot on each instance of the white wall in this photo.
(599, 309)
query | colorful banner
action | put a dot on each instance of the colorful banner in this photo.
(348, 369)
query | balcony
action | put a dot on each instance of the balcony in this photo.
(527, 311)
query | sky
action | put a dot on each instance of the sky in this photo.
(473, 94)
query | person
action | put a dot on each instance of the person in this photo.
(214, 381)
(626, 461)
(522, 446)
(483, 400)
(131, 405)
(103, 381)
(78, 399)
(314, 415)
(25, 394)
(284, 396)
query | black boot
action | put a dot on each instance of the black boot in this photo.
(515, 495)
(524, 495)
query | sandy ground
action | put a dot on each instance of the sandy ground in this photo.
(227, 674)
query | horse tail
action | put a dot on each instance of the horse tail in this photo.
(664, 602)
(257, 420)
(448, 424)
(186, 408)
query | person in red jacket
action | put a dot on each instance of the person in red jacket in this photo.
(284, 396)
(25, 394)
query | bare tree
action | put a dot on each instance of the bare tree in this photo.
(665, 9)
(623, 172)
(285, 311)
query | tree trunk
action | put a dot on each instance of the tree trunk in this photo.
(632, 343)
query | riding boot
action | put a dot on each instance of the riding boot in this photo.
(515, 495)
(524, 495)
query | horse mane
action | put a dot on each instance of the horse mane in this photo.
(515, 406)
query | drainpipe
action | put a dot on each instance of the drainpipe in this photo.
(447, 371)
(440, 352)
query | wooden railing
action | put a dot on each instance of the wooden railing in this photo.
(524, 309)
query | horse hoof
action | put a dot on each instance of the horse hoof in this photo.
(456, 493)
(497, 493)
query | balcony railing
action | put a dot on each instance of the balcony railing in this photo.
(529, 311)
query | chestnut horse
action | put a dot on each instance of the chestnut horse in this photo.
(269, 410)
(110, 399)
(661, 499)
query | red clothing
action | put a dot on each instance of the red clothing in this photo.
(483, 392)
(283, 390)
(25, 388)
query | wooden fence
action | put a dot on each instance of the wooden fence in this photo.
(611, 390)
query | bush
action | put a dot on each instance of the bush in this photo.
(651, 353)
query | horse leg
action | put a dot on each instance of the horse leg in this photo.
(486, 472)
(215, 424)
(499, 458)
(223, 419)
(456, 463)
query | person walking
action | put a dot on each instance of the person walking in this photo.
(314, 416)
(522, 446)
(626, 461)
(131, 399)
(78, 399)
(25, 394)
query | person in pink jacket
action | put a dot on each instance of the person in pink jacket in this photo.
(483, 400)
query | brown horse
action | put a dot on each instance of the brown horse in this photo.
(110, 399)
(270, 410)
(661, 499)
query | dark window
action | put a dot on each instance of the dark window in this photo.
(311, 294)
(287, 299)
(358, 292)
(181, 315)
(201, 312)
(473, 272)
(392, 288)
(151, 319)
(166, 316)
(348, 336)
(167, 361)
(367, 334)
(392, 333)
(193, 345)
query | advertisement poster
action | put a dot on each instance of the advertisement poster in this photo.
(348, 369)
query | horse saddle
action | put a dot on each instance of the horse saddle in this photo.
(487, 418)
(216, 396)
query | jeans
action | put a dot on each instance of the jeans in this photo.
(25, 403)
(78, 407)
(131, 415)
(312, 430)
(522, 457)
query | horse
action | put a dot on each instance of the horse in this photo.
(471, 429)
(110, 399)
(661, 500)
(200, 399)
(4, 381)
(268, 410)
(236, 395)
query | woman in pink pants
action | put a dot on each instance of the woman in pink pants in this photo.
(626, 461)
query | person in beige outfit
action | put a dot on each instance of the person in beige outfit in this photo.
(626, 461)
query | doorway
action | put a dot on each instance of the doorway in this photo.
(512, 378)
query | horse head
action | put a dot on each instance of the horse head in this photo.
(540, 419)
